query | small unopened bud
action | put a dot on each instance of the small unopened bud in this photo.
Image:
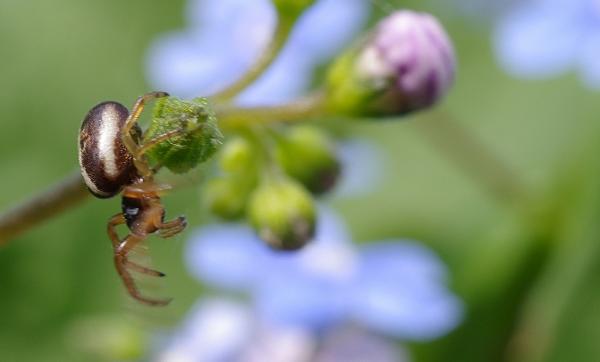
(406, 64)
(226, 197)
(196, 135)
(306, 154)
(238, 157)
(290, 9)
(282, 213)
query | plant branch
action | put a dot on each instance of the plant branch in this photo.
(282, 32)
(448, 136)
(58, 198)
(235, 118)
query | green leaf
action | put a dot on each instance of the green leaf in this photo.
(199, 138)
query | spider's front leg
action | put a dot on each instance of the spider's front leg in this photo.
(171, 228)
(128, 138)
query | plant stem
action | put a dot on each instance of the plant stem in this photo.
(71, 190)
(473, 157)
(448, 136)
(41, 207)
(282, 32)
(236, 118)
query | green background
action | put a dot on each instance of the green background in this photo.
(530, 282)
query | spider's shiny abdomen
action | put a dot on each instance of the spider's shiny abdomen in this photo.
(106, 164)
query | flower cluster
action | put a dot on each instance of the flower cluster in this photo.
(267, 174)
(328, 291)
(394, 287)
(225, 330)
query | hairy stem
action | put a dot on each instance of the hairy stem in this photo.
(277, 43)
(51, 202)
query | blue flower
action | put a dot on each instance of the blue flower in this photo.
(396, 287)
(220, 330)
(544, 38)
(225, 37)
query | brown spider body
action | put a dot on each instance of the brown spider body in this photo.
(106, 164)
(112, 160)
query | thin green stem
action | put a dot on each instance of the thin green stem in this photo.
(51, 202)
(235, 118)
(282, 33)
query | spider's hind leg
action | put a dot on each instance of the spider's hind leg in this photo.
(122, 263)
(119, 219)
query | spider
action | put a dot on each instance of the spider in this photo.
(112, 161)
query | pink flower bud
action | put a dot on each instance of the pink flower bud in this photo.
(406, 64)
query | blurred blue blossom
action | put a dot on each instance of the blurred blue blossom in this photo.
(543, 38)
(396, 287)
(362, 167)
(222, 330)
(225, 37)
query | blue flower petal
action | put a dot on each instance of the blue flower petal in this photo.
(226, 37)
(175, 65)
(227, 256)
(286, 79)
(214, 330)
(539, 40)
(400, 292)
(299, 300)
(589, 64)
(218, 17)
(329, 26)
(308, 288)
(352, 344)
(322, 32)
(363, 166)
(223, 41)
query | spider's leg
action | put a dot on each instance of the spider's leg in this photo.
(128, 139)
(173, 227)
(121, 263)
(158, 139)
(138, 107)
(144, 270)
(117, 219)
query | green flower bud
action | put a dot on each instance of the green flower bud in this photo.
(291, 8)
(282, 213)
(227, 197)
(238, 156)
(406, 64)
(307, 155)
(199, 139)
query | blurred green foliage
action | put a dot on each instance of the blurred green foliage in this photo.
(529, 273)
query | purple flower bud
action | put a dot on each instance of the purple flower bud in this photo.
(406, 64)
